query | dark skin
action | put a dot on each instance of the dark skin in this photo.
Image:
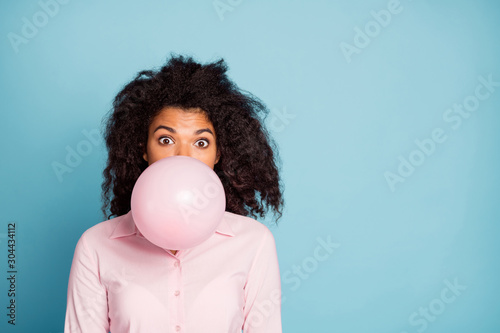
(177, 132)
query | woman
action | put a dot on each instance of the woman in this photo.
(119, 281)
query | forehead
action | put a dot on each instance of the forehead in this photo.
(178, 115)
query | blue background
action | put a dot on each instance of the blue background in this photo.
(342, 121)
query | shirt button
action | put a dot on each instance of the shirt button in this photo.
(176, 264)
(177, 328)
(177, 292)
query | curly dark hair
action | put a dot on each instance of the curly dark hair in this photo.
(247, 166)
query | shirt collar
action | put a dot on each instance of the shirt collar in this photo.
(127, 227)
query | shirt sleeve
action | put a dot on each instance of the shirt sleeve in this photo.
(262, 309)
(87, 306)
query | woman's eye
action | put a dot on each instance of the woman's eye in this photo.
(204, 143)
(165, 140)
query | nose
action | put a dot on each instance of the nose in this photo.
(183, 150)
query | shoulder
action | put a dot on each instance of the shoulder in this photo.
(256, 243)
(247, 227)
(102, 231)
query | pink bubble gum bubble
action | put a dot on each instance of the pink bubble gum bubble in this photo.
(178, 202)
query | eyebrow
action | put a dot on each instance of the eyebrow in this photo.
(170, 129)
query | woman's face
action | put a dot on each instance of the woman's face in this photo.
(177, 132)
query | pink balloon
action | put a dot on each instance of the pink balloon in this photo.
(178, 202)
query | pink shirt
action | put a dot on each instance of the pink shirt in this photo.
(120, 282)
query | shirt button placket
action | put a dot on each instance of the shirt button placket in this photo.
(178, 303)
